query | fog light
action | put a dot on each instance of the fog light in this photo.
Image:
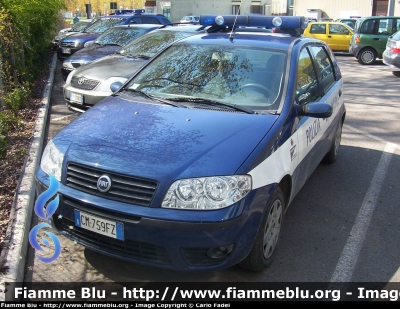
(220, 252)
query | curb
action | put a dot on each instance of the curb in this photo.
(13, 257)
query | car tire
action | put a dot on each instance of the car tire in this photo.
(331, 156)
(264, 248)
(367, 56)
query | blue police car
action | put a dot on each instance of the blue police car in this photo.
(193, 162)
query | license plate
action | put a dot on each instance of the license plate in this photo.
(66, 50)
(110, 228)
(77, 98)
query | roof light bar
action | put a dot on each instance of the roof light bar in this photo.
(126, 11)
(292, 22)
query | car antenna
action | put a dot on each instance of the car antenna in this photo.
(234, 23)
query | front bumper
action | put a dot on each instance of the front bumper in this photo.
(165, 238)
(89, 97)
(392, 60)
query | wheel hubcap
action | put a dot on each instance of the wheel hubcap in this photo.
(272, 229)
(367, 57)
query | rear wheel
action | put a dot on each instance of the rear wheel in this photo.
(331, 156)
(264, 248)
(367, 56)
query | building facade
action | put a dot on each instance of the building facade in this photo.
(327, 9)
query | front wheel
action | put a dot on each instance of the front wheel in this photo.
(367, 56)
(264, 248)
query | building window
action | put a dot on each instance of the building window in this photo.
(256, 7)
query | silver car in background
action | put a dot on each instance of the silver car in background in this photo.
(89, 84)
(391, 55)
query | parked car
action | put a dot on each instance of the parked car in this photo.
(73, 43)
(106, 44)
(336, 34)
(192, 163)
(190, 19)
(351, 22)
(370, 37)
(76, 28)
(96, 77)
(391, 55)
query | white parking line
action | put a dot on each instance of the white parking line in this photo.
(371, 136)
(348, 259)
(64, 117)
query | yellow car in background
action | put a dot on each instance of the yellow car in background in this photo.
(336, 34)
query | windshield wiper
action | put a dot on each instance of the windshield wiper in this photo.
(208, 101)
(152, 97)
(138, 56)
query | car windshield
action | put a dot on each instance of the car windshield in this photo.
(205, 74)
(119, 36)
(151, 43)
(104, 24)
(79, 26)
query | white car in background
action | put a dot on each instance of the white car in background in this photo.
(190, 19)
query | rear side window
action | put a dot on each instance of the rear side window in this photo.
(325, 70)
(318, 29)
(368, 26)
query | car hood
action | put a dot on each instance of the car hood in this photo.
(81, 37)
(100, 69)
(93, 52)
(161, 142)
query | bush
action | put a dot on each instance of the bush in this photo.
(17, 99)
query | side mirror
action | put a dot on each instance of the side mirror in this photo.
(315, 109)
(115, 86)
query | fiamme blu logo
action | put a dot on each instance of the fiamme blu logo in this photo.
(51, 199)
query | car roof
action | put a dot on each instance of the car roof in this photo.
(278, 41)
(186, 28)
(145, 26)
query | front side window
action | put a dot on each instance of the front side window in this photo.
(307, 83)
(338, 29)
(247, 77)
(368, 26)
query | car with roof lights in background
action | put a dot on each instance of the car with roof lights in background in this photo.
(190, 19)
(71, 44)
(89, 84)
(106, 44)
(192, 163)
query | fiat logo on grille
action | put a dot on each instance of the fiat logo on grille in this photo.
(104, 183)
(81, 80)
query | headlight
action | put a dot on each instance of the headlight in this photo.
(105, 86)
(207, 192)
(69, 77)
(52, 160)
(68, 65)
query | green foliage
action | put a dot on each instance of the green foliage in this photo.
(26, 30)
(16, 99)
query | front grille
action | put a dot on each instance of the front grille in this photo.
(199, 257)
(84, 83)
(132, 250)
(67, 44)
(126, 189)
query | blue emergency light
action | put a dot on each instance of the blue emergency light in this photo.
(291, 22)
(129, 11)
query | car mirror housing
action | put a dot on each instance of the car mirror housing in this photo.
(115, 86)
(315, 109)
